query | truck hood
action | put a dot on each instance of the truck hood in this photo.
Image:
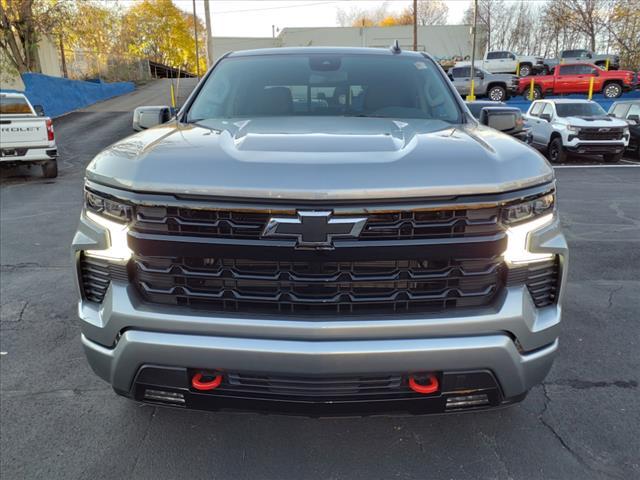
(599, 121)
(320, 158)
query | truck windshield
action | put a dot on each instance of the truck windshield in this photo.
(14, 106)
(579, 110)
(326, 85)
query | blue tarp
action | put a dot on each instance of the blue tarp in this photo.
(61, 95)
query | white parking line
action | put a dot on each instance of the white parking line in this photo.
(630, 161)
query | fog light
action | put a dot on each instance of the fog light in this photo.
(463, 401)
(164, 396)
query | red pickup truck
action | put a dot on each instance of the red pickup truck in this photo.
(575, 78)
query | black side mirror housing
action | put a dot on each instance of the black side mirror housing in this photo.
(39, 109)
(634, 118)
(546, 116)
(500, 118)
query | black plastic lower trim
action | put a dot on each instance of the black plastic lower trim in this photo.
(453, 384)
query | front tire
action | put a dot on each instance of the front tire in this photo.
(50, 169)
(537, 93)
(525, 70)
(556, 152)
(612, 90)
(497, 93)
(613, 158)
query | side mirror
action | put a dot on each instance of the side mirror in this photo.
(503, 119)
(610, 114)
(480, 75)
(147, 117)
(634, 118)
(546, 116)
(589, 55)
(39, 109)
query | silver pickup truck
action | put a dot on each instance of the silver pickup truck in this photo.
(26, 135)
(320, 231)
(498, 87)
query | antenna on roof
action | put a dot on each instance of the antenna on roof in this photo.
(395, 48)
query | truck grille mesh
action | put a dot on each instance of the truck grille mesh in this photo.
(96, 275)
(541, 279)
(393, 225)
(596, 134)
(290, 287)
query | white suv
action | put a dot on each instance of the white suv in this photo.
(576, 126)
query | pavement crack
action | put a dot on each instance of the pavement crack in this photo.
(24, 307)
(611, 293)
(563, 442)
(579, 384)
(136, 460)
(418, 439)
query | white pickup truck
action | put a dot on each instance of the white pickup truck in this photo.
(26, 135)
(503, 61)
(563, 126)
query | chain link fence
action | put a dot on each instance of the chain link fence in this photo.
(90, 65)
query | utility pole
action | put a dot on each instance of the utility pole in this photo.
(195, 31)
(209, 36)
(415, 25)
(471, 97)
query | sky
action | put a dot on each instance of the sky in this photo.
(239, 18)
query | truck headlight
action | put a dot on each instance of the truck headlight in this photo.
(114, 217)
(573, 129)
(521, 219)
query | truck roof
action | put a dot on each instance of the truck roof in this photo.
(565, 100)
(325, 50)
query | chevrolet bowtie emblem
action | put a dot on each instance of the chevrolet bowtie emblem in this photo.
(314, 229)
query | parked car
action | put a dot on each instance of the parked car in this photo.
(493, 114)
(377, 251)
(496, 86)
(508, 62)
(629, 111)
(589, 57)
(26, 135)
(575, 78)
(562, 126)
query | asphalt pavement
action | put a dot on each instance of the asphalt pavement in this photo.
(58, 420)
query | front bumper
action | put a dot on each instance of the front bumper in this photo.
(596, 148)
(512, 339)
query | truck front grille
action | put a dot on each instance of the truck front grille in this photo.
(318, 287)
(596, 134)
(390, 225)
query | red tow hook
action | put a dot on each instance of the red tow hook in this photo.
(198, 384)
(425, 389)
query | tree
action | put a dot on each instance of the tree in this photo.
(23, 23)
(356, 17)
(585, 16)
(432, 12)
(161, 32)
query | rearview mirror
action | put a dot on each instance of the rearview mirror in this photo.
(39, 109)
(500, 118)
(150, 116)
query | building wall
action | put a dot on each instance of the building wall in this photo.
(441, 41)
(49, 62)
